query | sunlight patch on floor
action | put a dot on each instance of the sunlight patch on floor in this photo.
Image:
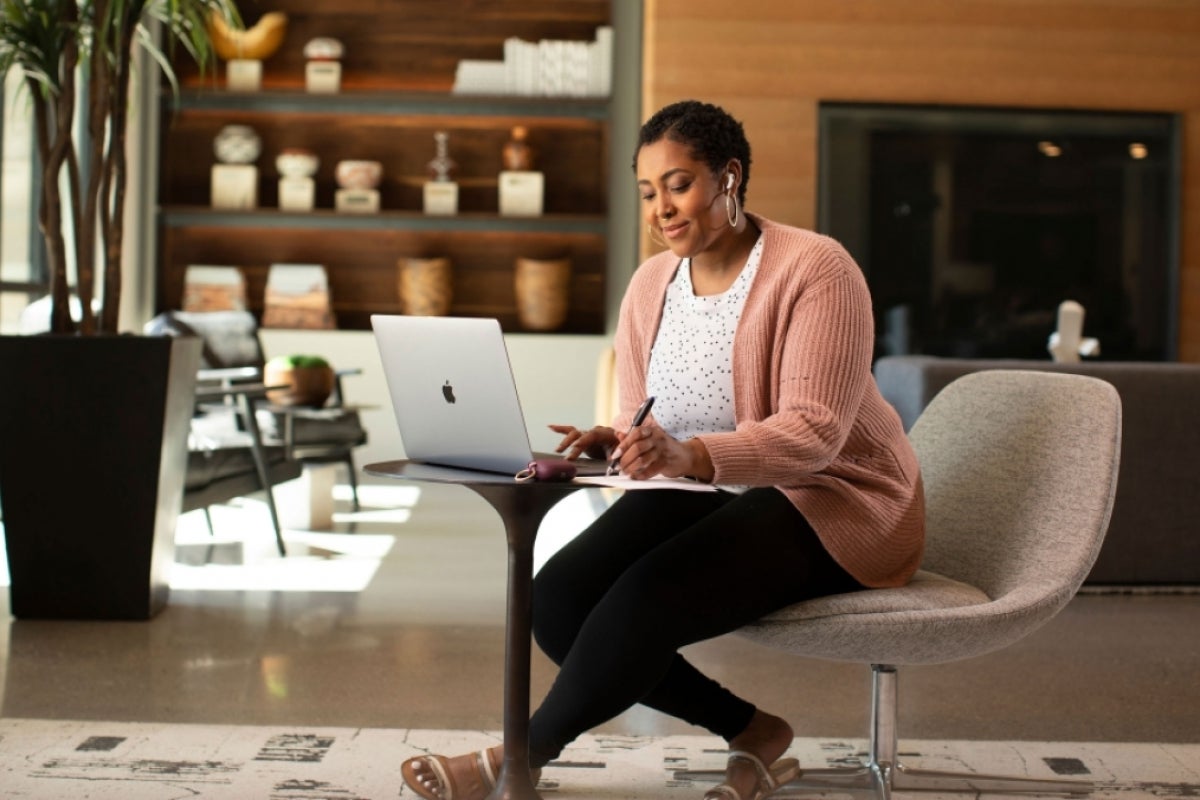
(241, 554)
(316, 562)
(381, 496)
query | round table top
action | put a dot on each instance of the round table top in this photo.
(512, 498)
(420, 471)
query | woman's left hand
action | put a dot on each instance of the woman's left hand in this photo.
(595, 443)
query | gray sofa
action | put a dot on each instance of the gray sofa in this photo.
(1154, 536)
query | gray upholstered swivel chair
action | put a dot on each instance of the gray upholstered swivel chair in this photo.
(1020, 470)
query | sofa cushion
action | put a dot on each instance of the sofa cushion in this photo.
(1153, 536)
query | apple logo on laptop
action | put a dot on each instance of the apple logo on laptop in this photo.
(448, 392)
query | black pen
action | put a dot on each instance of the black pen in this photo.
(638, 419)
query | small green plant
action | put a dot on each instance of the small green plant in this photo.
(298, 362)
(299, 379)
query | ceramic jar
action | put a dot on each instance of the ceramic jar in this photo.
(518, 155)
(297, 162)
(237, 144)
(324, 48)
(357, 174)
(426, 286)
(305, 385)
(543, 291)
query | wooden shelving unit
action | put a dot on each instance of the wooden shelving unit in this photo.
(388, 110)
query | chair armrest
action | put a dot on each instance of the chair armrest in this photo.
(228, 373)
(228, 376)
(252, 390)
(243, 397)
(316, 412)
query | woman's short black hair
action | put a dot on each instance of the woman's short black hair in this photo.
(712, 135)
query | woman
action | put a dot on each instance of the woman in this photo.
(755, 340)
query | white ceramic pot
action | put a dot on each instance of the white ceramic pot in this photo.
(237, 144)
(355, 174)
(324, 48)
(297, 162)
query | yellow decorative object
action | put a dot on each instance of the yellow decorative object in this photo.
(258, 42)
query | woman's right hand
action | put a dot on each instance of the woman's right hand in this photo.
(595, 443)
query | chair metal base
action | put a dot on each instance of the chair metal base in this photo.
(880, 780)
(882, 773)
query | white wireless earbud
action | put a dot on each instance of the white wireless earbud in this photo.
(729, 181)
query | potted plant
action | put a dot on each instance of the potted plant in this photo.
(93, 425)
(304, 380)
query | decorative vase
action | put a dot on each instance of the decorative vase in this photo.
(237, 144)
(442, 168)
(306, 385)
(323, 72)
(358, 174)
(324, 48)
(518, 155)
(297, 162)
(426, 286)
(543, 289)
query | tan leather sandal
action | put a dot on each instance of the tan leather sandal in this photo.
(457, 779)
(769, 778)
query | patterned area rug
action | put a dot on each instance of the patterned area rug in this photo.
(147, 761)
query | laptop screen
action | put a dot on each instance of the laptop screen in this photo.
(453, 391)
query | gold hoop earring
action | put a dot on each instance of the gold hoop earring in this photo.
(657, 239)
(731, 210)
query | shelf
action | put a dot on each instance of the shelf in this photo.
(324, 219)
(395, 95)
(391, 103)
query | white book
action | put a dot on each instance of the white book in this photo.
(549, 68)
(512, 65)
(603, 54)
(519, 57)
(531, 79)
(479, 77)
(575, 68)
(595, 80)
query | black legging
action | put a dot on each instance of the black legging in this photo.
(659, 570)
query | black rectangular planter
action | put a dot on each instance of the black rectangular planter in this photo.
(93, 451)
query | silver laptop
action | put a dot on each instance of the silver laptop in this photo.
(454, 395)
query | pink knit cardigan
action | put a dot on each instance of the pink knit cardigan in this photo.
(809, 416)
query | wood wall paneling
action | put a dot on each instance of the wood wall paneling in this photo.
(771, 62)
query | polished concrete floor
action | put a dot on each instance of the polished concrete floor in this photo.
(396, 620)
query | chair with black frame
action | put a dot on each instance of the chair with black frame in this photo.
(233, 353)
(227, 457)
